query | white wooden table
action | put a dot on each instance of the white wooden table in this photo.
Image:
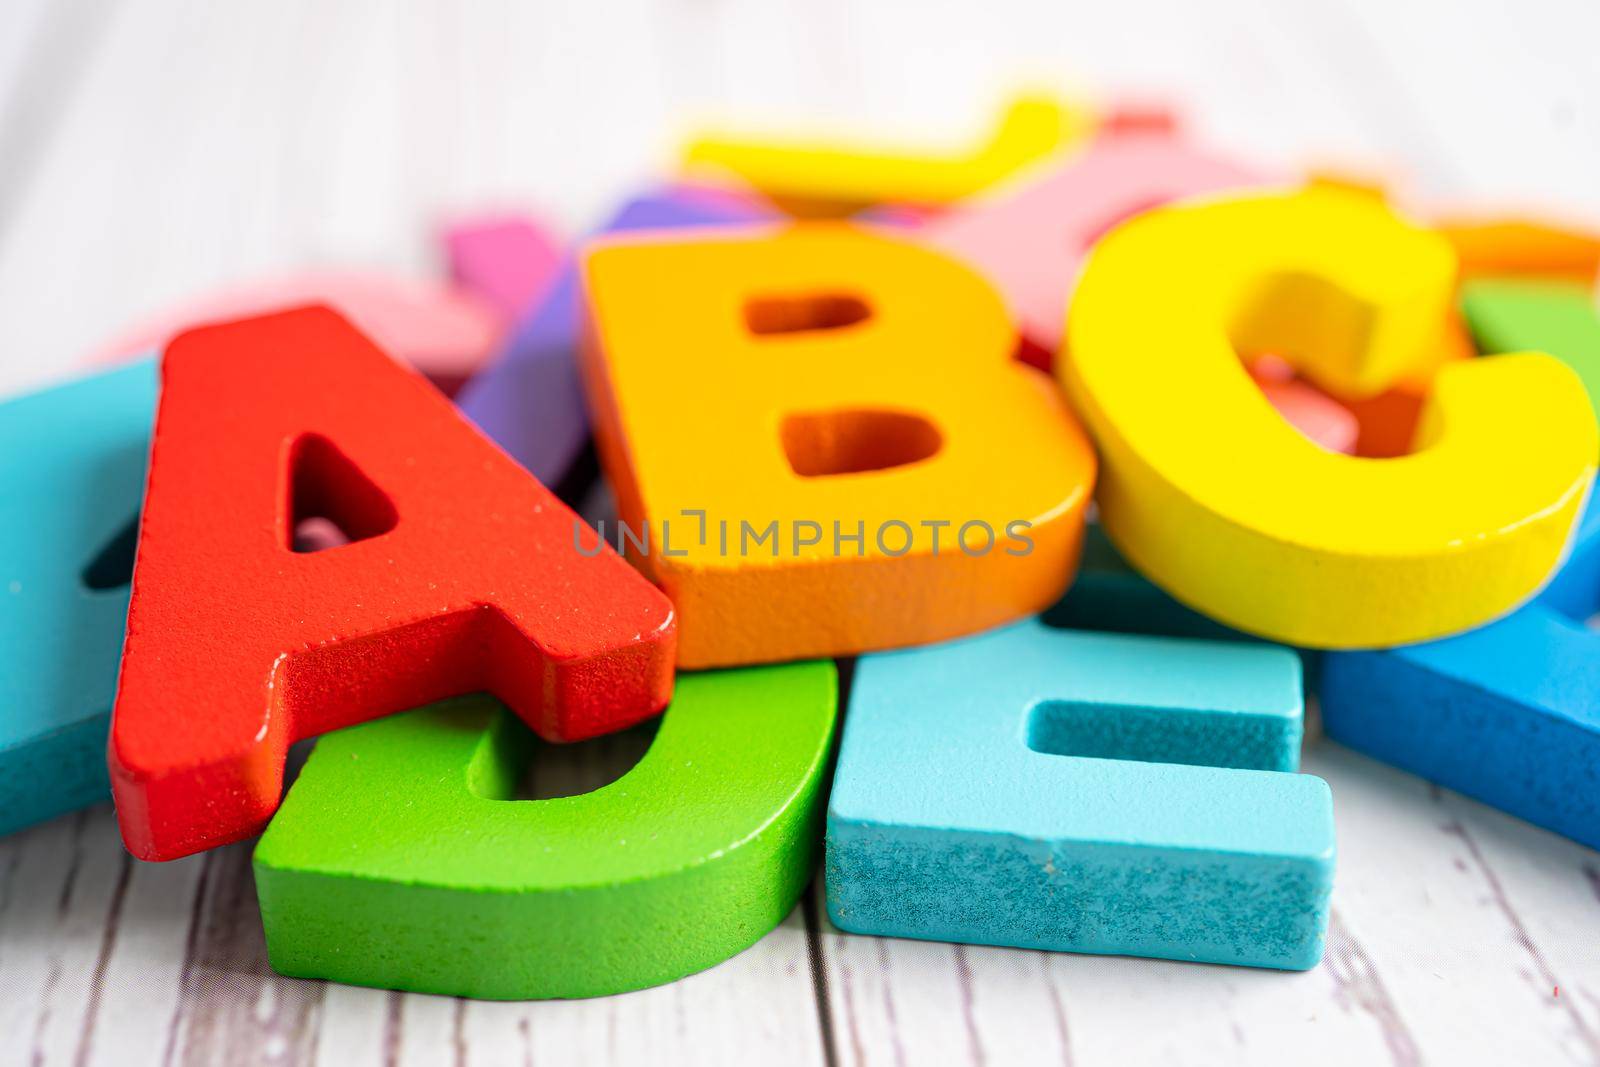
(149, 150)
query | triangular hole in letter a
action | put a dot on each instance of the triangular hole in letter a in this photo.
(330, 502)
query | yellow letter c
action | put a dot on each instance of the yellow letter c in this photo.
(1217, 499)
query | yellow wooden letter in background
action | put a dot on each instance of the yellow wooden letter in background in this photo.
(1218, 500)
(833, 382)
(816, 180)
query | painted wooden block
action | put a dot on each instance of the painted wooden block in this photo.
(508, 261)
(824, 433)
(1529, 247)
(72, 465)
(1082, 792)
(831, 180)
(1031, 241)
(529, 397)
(401, 859)
(1509, 714)
(1313, 548)
(1507, 314)
(445, 333)
(462, 574)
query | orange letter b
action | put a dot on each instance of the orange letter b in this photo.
(822, 377)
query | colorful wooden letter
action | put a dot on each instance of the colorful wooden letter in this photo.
(1082, 792)
(1525, 247)
(529, 398)
(826, 437)
(400, 860)
(506, 260)
(462, 574)
(441, 332)
(1509, 713)
(1555, 317)
(72, 465)
(830, 180)
(1032, 241)
(1220, 502)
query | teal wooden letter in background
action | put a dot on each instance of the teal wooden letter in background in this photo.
(72, 464)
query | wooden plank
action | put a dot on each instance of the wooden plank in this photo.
(358, 1027)
(233, 1009)
(94, 941)
(1431, 947)
(1547, 889)
(899, 1001)
(133, 1007)
(64, 884)
(754, 1008)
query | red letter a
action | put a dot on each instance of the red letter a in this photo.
(461, 575)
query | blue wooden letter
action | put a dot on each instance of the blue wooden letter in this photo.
(72, 462)
(1509, 713)
(1083, 792)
